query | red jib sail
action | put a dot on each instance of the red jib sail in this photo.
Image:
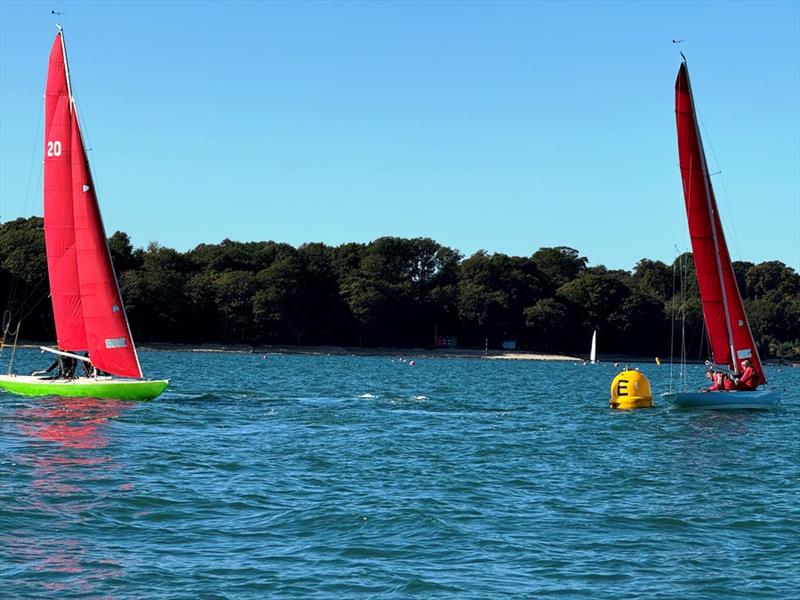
(87, 305)
(729, 333)
(107, 333)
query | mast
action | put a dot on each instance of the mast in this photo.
(66, 65)
(712, 212)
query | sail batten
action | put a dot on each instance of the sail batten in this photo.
(729, 334)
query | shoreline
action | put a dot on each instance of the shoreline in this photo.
(325, 350)
(358, 351)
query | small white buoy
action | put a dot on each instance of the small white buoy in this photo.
(411, 363)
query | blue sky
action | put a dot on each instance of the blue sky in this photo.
(502, 126)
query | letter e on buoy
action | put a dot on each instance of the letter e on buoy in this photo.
(630, 389)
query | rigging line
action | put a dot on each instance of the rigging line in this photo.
(12, 292)
(674, 311)
(32, 308)
(10, 316)
(728, 212)
(29, 203)
(13, 352)
(672, 322)
(28, 294)
(6, 332)
(87, 147)
(704, 345)
(684, 277)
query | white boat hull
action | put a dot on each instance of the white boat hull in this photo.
(755, 400)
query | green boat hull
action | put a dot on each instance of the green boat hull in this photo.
(104, 388)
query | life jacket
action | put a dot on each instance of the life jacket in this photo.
(719, 381)
(727, 383)
(748, 380)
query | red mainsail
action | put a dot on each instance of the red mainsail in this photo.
(59, 228)
(726, 322)
(87, 305)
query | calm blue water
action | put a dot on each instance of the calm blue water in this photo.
(328, 477)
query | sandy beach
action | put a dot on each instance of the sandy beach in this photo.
(357, 351)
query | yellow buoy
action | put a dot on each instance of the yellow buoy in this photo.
(631, 389)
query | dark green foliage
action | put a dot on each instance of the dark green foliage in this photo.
(23, 278)
(22, 249)
(559, 265)
(123, 255)
(401, 292)
(493, 292)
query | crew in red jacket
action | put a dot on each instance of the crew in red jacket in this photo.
(720, 382)
(749, 378)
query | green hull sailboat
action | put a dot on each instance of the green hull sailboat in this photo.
(84, 387)
(90, 320)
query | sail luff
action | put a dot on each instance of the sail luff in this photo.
(729, 333)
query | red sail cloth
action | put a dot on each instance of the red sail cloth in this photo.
(108, 335)
(58, 214)
(87, 306)
(715, 275)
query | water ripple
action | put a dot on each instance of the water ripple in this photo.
(320, 477)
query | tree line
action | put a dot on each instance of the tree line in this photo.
(401, 292)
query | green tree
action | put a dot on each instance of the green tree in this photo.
(772, 276)
(201, 297)
(233, 295)
(493, 291)
(23, 279)
(154, 295)
(559, 265)
(549, 322)
(328, 318)
(594, 298)
(22, 250)
(653, 278)
(123, 256)
(279, 303)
